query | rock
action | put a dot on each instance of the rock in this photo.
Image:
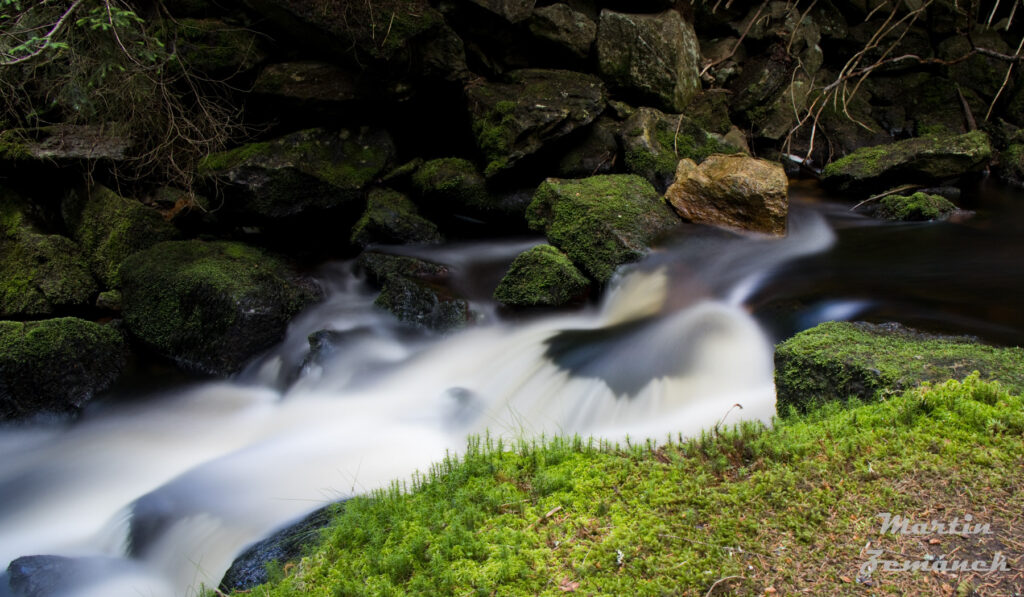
(596, 153)
(452, 185)
(40, 274)
(654, 57)
(775, 120)
(601, 222)
(391, 218)
(109, 228)
(838, 360)
(69, 142)
(654, 142)
(306, 171)
(513, 11)
(564, 26)
(414, 291)
(307, 82)
(1011, 164)
(515, 119)
(764, 80)
(215, 48)
(732, 191)
(915, 208)
(209, 306)
(982, 74)
(541, 277)
(109, 300)
(923, 160)
(54, 366)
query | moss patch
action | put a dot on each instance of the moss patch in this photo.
(837, 361)
(448, 183)
(915, 208)
(541, 276)
(390, 217)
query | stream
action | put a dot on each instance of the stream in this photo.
(154, 492)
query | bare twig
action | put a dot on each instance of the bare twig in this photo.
(893, 191)
(720, 581)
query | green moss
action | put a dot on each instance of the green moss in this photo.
(757, 505)
(390, 217)
(838, 361)
(452, 182)
(541, 276)
(216, 163)
(600, 222)
(915, 208)
(656, 142)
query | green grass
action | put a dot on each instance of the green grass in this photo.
(783, 509)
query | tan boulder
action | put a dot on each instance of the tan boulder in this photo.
(732, 191)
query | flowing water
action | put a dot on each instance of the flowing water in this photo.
(156, 494)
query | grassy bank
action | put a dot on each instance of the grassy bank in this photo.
(744, 511)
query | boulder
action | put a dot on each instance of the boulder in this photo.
(653, 143)
(541, 277)
(601, 222)
(415, 291)
(306, 82)
(596, 153)
(923, 160)
(837, 361)
(62, 142)
(449, 185)
(40, 274)
(762, 83)
(209, 306)
(918, 207)
(392, 218)
(54, 366)
(513, 11)
(517, 118)
(655, 58)
(309, 170)
(109, 228)
(732, 191)
(982, 74)
(562, 25)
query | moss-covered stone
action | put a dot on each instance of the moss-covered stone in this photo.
(837, 361)
(541, 277)
(55, 365)
(601, 222)
(915, 208)
(391, 218)
(653, 143)
(452, 184)
(110, 227)
(209, 306)
(415, 291)
(313, 169)
(918, 160)
(982, 74)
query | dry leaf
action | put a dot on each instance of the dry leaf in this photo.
(934, 542)
(845, 579)
(568, 586)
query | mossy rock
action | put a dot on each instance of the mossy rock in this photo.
(449, 185)
(541, 277)
(923, 160)
(982, 74)
(309, 170)
(601, 222)
(216, 48)
(836, 361)
(54, 366)
(209, 306)
(392, 218)
(40, 274)
(653, 143)
(110, 227)
(918, 207)
(1011, 164)
(415, 291)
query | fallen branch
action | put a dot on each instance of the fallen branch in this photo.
(899, 189)
(718, 582)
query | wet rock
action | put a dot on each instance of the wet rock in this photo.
(517, 118)
(209, 306)
(654, 142)
(601, 222)
(307, 82)
(918, 207)
(392, 218)
(562, 25)
(838, 360)
(762, 83)
(596, 153)
(656, 58)
(40, 274)
(54, 366)
(541, 277)
(306, 171)
(452, 185)
(514, 11)
(416, 291)
(732, 191)
(109, 228)
(919, 160)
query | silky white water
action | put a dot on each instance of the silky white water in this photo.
(156, 498)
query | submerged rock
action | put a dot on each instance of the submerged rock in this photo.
(601, 222)
(392, 218)
(415, 291)
(732, 191)
(541, 277)
(309, 170)
(517, 118)
(110, 227)
(54, 366)
(915, 208)
(836, 361)
(653, 57)
(919, 160)
(209, 306)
